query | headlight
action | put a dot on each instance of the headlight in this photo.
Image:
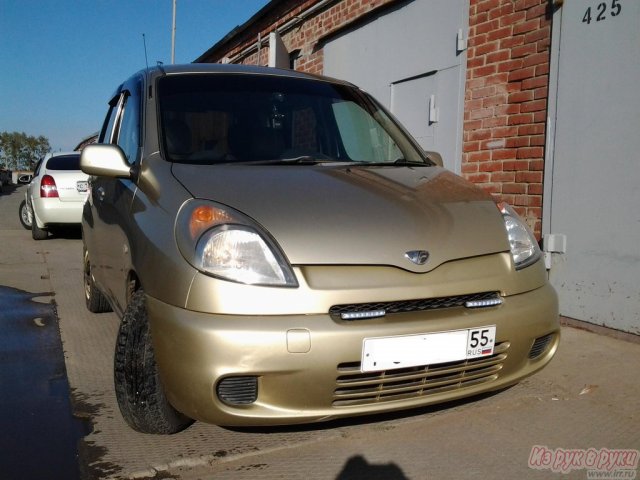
(524, 248)
(224, 243)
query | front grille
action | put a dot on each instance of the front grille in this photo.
(354, 388)
(419, 305)
(540, 345)
(238, 390)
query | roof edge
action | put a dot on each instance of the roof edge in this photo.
(235, 32)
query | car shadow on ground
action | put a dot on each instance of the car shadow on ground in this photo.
(9, 189)
(358, 468)
(68, 232)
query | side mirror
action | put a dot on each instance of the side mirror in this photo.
(104, 161)
(435, 157)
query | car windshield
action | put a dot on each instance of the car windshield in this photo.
(222, 118)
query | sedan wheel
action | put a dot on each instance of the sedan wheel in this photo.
(96, 302)
(37, 233)
(26, 217)
(139, 391)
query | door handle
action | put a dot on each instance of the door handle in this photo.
(100, 193)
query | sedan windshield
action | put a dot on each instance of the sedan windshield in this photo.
(223, 118)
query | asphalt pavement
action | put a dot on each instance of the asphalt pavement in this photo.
(587, 401)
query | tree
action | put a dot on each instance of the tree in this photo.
(21, 151)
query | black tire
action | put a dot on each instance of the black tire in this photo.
(95, 300)
(139, 391)
(37, 233)
(26, 217)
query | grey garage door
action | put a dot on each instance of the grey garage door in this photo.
(593, 212)
(412, 59)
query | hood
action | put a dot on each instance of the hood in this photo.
(357, 215)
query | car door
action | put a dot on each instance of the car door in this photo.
(111, 199)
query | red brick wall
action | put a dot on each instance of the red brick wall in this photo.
(506, 101)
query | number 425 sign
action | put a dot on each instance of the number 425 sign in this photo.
(601, 11)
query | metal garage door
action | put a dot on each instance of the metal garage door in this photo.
(412, 59)
(594, 180)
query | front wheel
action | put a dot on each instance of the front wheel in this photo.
(26, 217)
(139, 391)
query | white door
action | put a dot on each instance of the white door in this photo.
(594, 182)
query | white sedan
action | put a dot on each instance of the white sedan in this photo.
(56, 194)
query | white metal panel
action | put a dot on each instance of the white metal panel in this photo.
(393, 56)
(414, 99)
(594, 183)
(278, 53)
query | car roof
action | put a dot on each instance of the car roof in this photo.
(58, 154)
(196, 68)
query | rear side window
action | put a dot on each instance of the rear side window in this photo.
(35, 174)
(64, 162)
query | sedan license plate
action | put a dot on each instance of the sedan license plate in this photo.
(387, 353)
(81, 186)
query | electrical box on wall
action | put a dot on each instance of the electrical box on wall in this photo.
(553, 243)
(461, 42)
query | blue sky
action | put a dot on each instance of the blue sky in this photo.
(60, 60)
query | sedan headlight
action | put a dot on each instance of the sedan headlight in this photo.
(522, 242)
(224, 243)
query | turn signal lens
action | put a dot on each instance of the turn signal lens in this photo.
(204, 217)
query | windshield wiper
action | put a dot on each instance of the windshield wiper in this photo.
(301, 160)
(398, 162)
(404, 161)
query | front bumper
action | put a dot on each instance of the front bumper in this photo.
(304, 364)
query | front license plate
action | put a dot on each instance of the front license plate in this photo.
(387, 353)
(81, 186)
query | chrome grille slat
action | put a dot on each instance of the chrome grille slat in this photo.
(417, 386)
(422, 373)
(356, 388)
(392, 396)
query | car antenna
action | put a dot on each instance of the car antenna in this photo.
(144, 41)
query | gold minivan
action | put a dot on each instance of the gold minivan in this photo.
(280, 250)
